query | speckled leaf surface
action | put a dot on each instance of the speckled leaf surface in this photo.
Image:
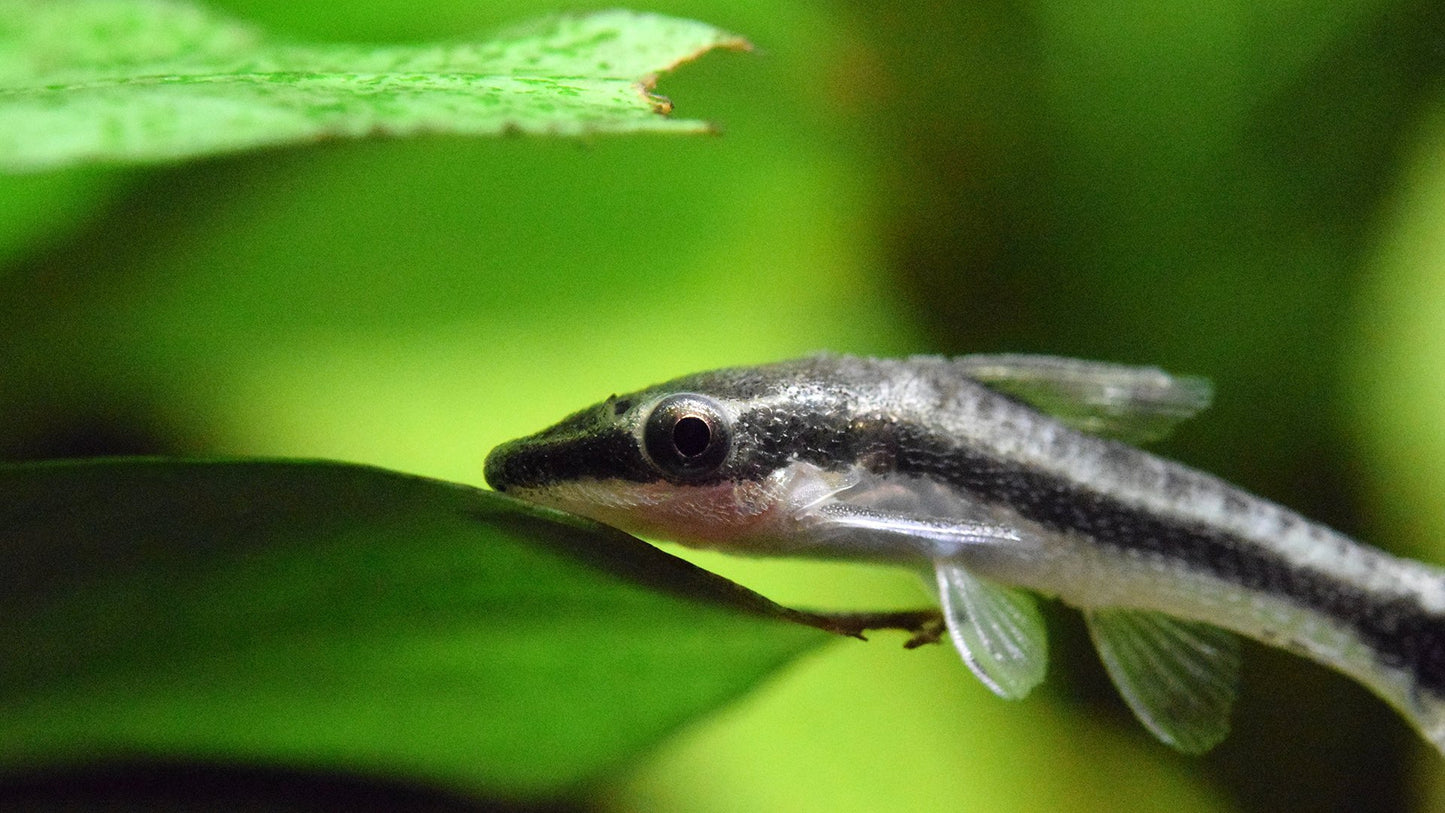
(331, 616)
(148, 80)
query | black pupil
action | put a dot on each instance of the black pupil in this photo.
(690, 436)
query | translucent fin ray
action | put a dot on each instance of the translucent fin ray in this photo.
(997, 630)
(1133, 404)
(1179, 677)
(942, 531)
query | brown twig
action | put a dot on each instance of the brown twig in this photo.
(926, 625)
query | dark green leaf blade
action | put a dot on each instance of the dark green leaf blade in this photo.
(154, 80)
(329, 615)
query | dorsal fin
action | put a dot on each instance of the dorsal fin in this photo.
(1133, 404)
(997, 630)
(1179, 677)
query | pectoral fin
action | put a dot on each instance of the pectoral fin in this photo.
(933, 537)
(997, 630)
(1179, 677)
(1133, 404)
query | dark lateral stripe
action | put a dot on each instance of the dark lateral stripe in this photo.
(540, 461)
(1402, 634)
(1399, 630)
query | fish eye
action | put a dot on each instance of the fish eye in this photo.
(687, 436)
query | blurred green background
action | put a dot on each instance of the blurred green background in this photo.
(1250, 191)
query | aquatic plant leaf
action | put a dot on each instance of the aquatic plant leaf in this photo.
(154, 80)
(330, 616)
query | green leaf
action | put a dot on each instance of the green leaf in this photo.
(150, 80)
(334, 616)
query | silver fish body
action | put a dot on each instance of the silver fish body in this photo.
(995, 473)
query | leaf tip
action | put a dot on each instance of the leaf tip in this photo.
(723, 42)
(662, 105)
